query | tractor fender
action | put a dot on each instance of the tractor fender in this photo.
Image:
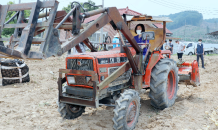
(155, 57)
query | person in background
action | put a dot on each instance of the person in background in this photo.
(138, 30)
(171, 45)
(199, 51)
(74, 51)
(180, 49)
(168, 45)
(163, 46)
(116, 39)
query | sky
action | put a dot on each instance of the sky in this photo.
(151, 7)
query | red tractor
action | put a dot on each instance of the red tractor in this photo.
(112, 78)
(116, 77)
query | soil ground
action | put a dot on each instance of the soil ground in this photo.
(33, 105)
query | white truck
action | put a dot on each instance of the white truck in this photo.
(190, 49)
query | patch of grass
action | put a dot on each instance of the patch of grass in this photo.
(47, 104)
(44, 104)
(212, 55)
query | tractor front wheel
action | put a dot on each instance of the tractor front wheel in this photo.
(69, 111)
(164, 84)
(126, 111)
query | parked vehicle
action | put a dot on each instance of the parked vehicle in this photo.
(190, 49)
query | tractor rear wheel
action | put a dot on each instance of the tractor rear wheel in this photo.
(69, 111)
(164, 84)
(126, 111)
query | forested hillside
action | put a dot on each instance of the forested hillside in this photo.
(213, 20)
(190, 26)
(180, 19)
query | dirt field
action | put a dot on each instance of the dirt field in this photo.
(33, 105)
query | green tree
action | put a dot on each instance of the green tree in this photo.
(86, 6)
(10, 31)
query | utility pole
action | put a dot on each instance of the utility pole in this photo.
(185, 29)
(101, 35)
(19, 1)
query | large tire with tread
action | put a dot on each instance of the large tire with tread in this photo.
(206, 53)
(190, 53)
(69, 111)
(127, 110)
(164, 84)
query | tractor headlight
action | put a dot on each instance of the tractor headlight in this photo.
(71, 79)
(87, 79)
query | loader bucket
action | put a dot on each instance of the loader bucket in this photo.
(189, 73)
(18, 45)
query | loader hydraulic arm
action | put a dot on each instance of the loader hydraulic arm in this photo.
(109, 15)
(50, 42)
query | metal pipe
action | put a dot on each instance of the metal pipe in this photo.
(65, 18)
(68, 26)
(101, 36)
(147, 52)
(108, 105)
(122, 43)
(41, 15)
(164, 35)
(94, 12)
(12, 18)
(121, 38)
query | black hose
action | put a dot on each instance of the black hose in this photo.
(82, 6)
(46, 14)
(72, 6)
(41, 9)
(107, 38)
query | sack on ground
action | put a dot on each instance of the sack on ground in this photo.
(14, 71)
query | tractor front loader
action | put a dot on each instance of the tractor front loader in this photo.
(112, 78)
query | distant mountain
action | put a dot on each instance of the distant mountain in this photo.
(180, 19)
(213, 20)
(193, 33)
(196, 27)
